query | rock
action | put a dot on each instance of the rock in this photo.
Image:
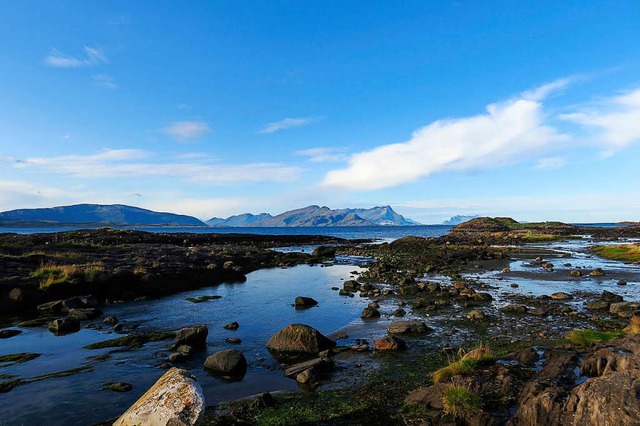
(118, 386)
(84, 314)
(390, 343)
(263, 401)
(537, 312)
(428, 397)
(575, 273)
(324, 252)
(433, 287)
(540, 403)
(373, 305)
(616, 356)
(229, 362)
(482, 297)
(596, 272)
(89, 301)
(475, 314)
(196, 337)
(408, 327)
(6, 334)
(320, 365)
(111, 319)
(232, 326)
(561, 296)
(526, 356)
(622, 282)
(64, 326)
(186, 349)
(233, 340)
(399, 312)
(624, 309)
(304, 302)
(608, 400)
(299, 338)
(515, 309)
(370, 313)
(118, 328)
(598, 305)
(342, 336)
(175, 399)
(506, 270)
(33, 323)
(351, 285)
(178, 357)
(611, 297)
(344, 292)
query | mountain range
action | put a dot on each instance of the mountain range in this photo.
(122, 215)
(458, 219)
(315, 216)
(94, 215)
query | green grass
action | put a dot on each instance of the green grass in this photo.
(588, 337)
(460, 402)
(51, 274)
(620, 252)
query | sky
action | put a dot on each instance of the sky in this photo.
(213, 108)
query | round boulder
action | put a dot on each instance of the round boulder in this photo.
(229, 362)
(302, 302)
(390, 343)
(299, 338)
(370, 313)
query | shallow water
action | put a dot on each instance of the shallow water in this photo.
(262, 306)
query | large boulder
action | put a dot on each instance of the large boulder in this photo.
(302, 302)
(408, 327)
(175, 399)
(196, 337)
(229, 362)
(299, 338)
(390, 343)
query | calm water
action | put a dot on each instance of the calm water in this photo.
(386, 233)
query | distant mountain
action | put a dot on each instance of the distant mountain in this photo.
(246, 219)
(314, 216)
(457, 220)
(94, 215)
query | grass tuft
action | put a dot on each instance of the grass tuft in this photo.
(588, 337)
(634, 325)
(465, 363)
(51, 274)
(460, 401)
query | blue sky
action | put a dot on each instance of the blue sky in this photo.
(530, 110)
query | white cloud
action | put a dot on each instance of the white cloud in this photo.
(508, 132)
(93, 57)
(287, 123)
(615, 119)
(550, 163)
(323, 155)
(127, 163)
(104, 80)
(184, 131)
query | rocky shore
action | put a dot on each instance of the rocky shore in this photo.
(495, 323)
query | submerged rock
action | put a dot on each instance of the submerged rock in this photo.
(6, 334)
(299, 338)
(232, 326)
(175, 399)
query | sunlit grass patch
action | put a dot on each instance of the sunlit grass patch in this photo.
(588, 337)
(465, 363)
(460, 401)
(52, 274)
(621, 252)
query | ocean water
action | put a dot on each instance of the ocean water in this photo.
(384, 233)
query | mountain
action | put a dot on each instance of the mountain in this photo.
(94, 215)
(246, 219)
(314, 216)
(458, 219)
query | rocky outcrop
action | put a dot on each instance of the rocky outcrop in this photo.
(299, 338)
(175, 399)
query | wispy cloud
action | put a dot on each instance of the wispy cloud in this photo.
(323, 155)
(616, 120)
(287, 123)
(185, 131)
(550, 163)
(128, 163)
(92, 57)
(104, 80)
(506, 133)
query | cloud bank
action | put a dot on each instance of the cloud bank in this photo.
(506, 132)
